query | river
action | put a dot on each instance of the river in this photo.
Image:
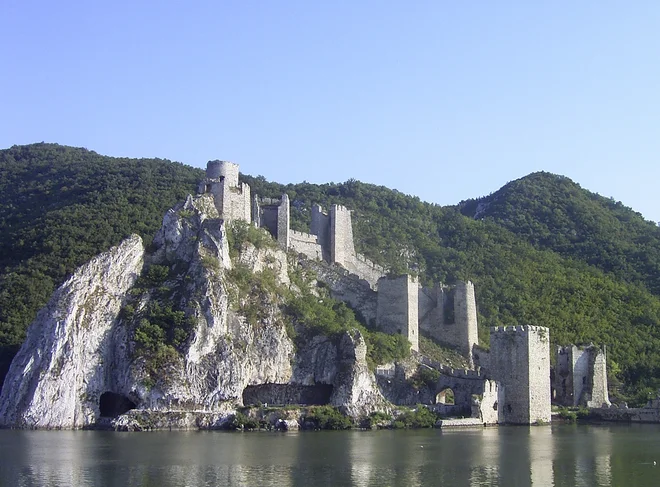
(561, 455)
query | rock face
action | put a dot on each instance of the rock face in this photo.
(57, 377)
(81, 365)
(355, 392)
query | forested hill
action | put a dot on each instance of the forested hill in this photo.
(554, 213)
(61, 205)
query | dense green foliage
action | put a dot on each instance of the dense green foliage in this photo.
(420, 417)
(326, 316)
(159, 330)
(543, 251)
(328, 418)
(441, 354)
(60, 206)
(554, 213)
(240, 421)
(424, 377)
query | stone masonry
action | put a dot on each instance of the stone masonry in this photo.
(232, 199)
(450, 316)
(520, 362)
(396, 315)
(517, 367)
(580, 377)
(275, 216)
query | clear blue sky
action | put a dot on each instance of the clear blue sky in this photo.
(445, 100)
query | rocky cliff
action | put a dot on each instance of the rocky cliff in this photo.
(68, 358)
(174, 330)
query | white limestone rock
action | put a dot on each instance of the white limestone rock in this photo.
(355, 390)
(257, 260)
(226, 352)
(80, 346)
(60, 371)
(316, 362)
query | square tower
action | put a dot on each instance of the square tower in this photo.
(397, 310)
(520, 361)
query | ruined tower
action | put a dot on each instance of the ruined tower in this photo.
(321, 228)
(273, 215)
(450, 316)
(465, 334)
(520, 362)
(232, 199)
(342, 250)
(580, 376)
(397, 307)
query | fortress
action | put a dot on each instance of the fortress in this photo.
(510, 383)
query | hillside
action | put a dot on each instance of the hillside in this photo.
(554, 213)
(60, 205)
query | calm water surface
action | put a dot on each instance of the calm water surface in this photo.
(563, 455)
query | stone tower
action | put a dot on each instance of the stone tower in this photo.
(520, 362)
(342, 250)
(273, 215)
(450, 316)
(232, 199)
(580, 376)
(397, 307)
(321, 228)
(466, 334)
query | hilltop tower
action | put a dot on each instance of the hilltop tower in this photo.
(232, 199)
(342, 250)
(275, 216)
(321, 228)
(520, 362)
(397, 307)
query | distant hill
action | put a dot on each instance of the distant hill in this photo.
(541, 250)
(553, 213)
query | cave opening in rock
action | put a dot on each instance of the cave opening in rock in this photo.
(112, 404)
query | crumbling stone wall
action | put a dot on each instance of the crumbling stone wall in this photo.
(580, 376)
(398, 306)
(598, 367)
(321, 228)
(520, 362)
(487, 406)
(450, 316)
(273, 215)
(305, 244)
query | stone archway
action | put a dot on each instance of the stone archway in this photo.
(445, 396)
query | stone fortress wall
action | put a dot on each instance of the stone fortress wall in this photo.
(512, 379)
